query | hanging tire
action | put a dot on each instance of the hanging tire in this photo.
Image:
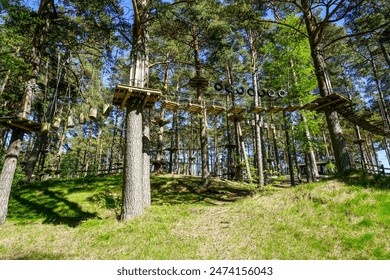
(218, 86)
(240, 91)
(262, 93)
(282, 93)
(271, 93)
(251, 92)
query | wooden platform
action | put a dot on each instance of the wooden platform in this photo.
(292, 108)
(193, 108)
(24, 124)
(324, 103)
(170, 105)
(274, 109)
(215, 110)
(237, 110)
(145, 96)
(257, 110)
(346, 109)
(309, 106)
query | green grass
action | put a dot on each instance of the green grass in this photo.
(77, 219)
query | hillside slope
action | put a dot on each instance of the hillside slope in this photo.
(76, 219)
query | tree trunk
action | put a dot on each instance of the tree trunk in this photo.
(387, 149)
(385, 53)
(146, 158)
(242, 144)
(40, 141)
(136, 189)
(315, 33)
(8, 172)
(203, 116)
(288, 148)
(132, 196)
(310, 150)
(339, 145)
(382, 103)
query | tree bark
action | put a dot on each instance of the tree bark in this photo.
(136, 188)
(258, 118)
(8, 172)
(146, 158)
(315, 34)
(132, 195)
(242, 145)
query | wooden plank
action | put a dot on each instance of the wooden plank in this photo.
(291, 108)
(310, 105)
(215, 109)
(170, 105)
(257, 110)
(274, 109)
(21, 123)
(123, 93)
(236, 110)
(193, 108)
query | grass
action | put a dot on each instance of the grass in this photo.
(77, 219)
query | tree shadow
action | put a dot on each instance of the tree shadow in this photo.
(190, 190)
(40, 256)
(365, 180)
(46, 206)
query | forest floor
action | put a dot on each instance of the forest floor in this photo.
(77, 219)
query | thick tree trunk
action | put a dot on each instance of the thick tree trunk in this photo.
(315, 33)
(132, 196)
(136, 188)
(339, 145)
(8, 172)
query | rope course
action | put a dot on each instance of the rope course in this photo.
(337, 102)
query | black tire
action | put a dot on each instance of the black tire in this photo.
(262, 93)
(251, 92)
(240, 91)
(218, 86)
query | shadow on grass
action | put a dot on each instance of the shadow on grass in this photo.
(40, 256)
(57, 202)
(366, 180)
(190, 191)
(39, 201)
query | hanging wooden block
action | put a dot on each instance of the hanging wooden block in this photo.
(57, 122)
(45, 127)
(70, 122)
(106, 109)
(93, 113)
(81, 118)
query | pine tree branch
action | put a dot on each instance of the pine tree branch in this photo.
(283, 24)
(356, 34)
